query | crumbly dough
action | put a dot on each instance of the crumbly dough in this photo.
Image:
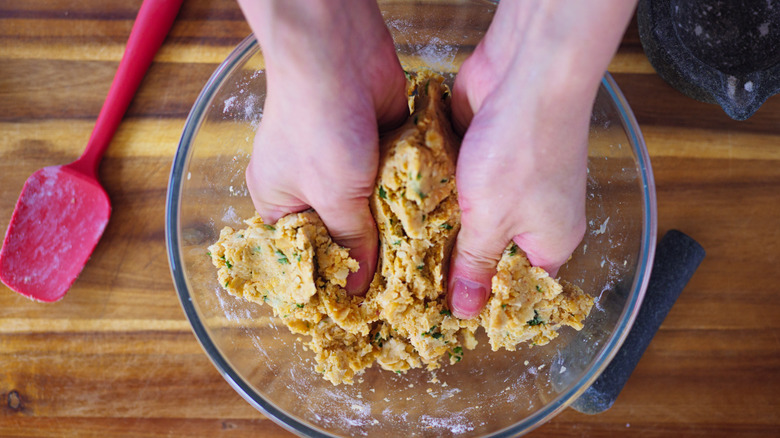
(403, 321)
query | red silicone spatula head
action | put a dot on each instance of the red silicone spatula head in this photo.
(63, 210)
(58, 221)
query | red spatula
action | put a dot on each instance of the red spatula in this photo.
(63, 210)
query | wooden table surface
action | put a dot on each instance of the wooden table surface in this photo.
(116, 356)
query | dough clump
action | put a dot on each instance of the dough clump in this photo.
(403, 321)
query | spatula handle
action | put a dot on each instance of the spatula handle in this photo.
(152, 24)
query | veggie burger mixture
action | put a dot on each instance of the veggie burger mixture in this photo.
(403, 321)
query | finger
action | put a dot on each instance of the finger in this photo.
(551, 251)
(352, 225)
(473, 265)
(269, 204)
(462, 112)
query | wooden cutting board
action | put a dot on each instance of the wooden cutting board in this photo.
(116, 356)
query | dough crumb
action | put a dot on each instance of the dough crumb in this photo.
(403, 321)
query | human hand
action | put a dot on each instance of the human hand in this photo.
(525, 97)
(333, 80)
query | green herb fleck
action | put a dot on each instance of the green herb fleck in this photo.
(208, 253)
(420, 193)
(297, 257)
(382, 192)
(269, 227)
(419, 175)
(299, 305)
(420, 267)
(458, 358)
(240, 236)
(538, 288)
(227, 282)
(228, 264)
(257, 249)
(408, 75)
(513, 249)
(397, 243)
(437, 335)
(446, 226)
(265, 298)
(444, 180)
(398, 371)
(282, 258)
(503, 306)
(457, 350)
(445, 312)
(536, 320)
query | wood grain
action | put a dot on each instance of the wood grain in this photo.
(116, 357)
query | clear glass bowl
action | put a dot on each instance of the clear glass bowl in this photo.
(487, 393)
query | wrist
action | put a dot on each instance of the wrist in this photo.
(564, 43)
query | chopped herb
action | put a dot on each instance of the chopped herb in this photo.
(265, 298)
(437, 335)
(457, 350)
(208, 253)
(426, 304)
(228, 264)
(538, 288)
(419, 175)
(445, 312)
(408, 75)
(444, 180)
(227, 282)
(458, 358)
(398, 371)
(382, 192)
(513, 249)
(298, 305)
(222, 257)
(397, 243)
(536, 320)
(257, 249)
(446, 226)
(282, 258)
(269, 227)
(503, 306)
(240, 236)
(420, 267)
(297, 257)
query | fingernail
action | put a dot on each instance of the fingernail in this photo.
(357, 282)
(467, 298)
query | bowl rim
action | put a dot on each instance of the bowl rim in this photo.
(238, 56)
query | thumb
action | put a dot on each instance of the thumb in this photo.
(352, 225)
(472, 268)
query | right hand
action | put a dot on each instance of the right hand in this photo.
(333, 80)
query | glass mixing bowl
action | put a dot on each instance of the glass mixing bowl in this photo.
(487, 393)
